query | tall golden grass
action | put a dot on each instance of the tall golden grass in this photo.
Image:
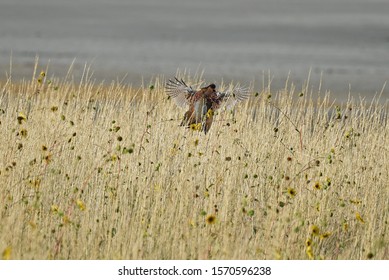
(104, 172)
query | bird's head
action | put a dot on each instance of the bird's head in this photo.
(212, 86)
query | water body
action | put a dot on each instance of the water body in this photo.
(346, 42)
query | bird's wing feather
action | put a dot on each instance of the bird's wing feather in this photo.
(179, 91)
(233, 96)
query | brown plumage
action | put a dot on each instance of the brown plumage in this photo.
(203, 102)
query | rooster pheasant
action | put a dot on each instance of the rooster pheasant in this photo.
(203, 102)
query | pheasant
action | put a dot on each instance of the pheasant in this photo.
(202, 103)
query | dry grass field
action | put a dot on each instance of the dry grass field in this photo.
(105, 172)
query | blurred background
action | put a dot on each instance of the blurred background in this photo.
(344, 42)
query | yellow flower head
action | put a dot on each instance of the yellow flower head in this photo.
(66, 219)
(309, 252)
(292, 192)
(355, 201)
(21, 117)
(195, 126)
(317, 186)
(80, 204)
(210, 219)
(315, 231)
(23, 133)
(7, 253)
(359, 218)
(325, 235)
(54, 208)
(209, 113)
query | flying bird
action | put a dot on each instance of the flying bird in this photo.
(203, 102)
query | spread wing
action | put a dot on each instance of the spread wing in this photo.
(233, 96)
(179, 91)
